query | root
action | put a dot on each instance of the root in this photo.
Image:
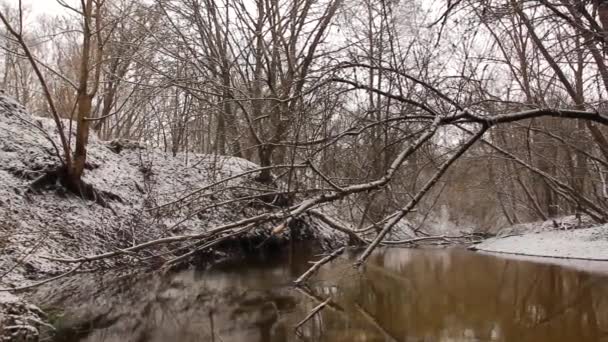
(58, 177)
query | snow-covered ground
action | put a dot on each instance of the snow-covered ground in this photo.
(55, 223)
(19, 320)
(574, 244)
(590, 266)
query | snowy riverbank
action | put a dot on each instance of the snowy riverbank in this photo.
(146, 188)
(585, 249)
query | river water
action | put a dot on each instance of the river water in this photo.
(400, 295)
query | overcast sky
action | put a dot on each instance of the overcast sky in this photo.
(42, 6)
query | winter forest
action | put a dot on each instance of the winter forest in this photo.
(181, 128)
(335, 96)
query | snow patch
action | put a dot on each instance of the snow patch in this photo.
(587, 244)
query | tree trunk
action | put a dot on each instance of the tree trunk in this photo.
(265, 155)
(82, 137)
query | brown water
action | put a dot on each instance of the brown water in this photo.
(401, 295)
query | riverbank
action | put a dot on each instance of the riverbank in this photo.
(148, 195)
(570, 244)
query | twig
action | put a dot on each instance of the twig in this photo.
(304, 290)
(315, 267)
(207, 234)
(426, 238)
(375, 323)
(421, 193)
(182, 257)
(43, 281)
(23, 257)
(337, 226)
(312, 313)
(208, 186)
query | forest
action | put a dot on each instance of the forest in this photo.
(385, 122)
(335, 101)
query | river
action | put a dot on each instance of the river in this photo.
(400, 295)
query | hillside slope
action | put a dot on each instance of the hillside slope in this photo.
(140, 181)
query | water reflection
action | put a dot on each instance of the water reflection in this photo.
(455, 295)
(401, 295)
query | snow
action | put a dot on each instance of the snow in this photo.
(589, 266)
(564, 223)
(19, 321)
(55, 223)
(584, 244)
(567, 241)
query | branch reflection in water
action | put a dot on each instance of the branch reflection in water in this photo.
(400, 295)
